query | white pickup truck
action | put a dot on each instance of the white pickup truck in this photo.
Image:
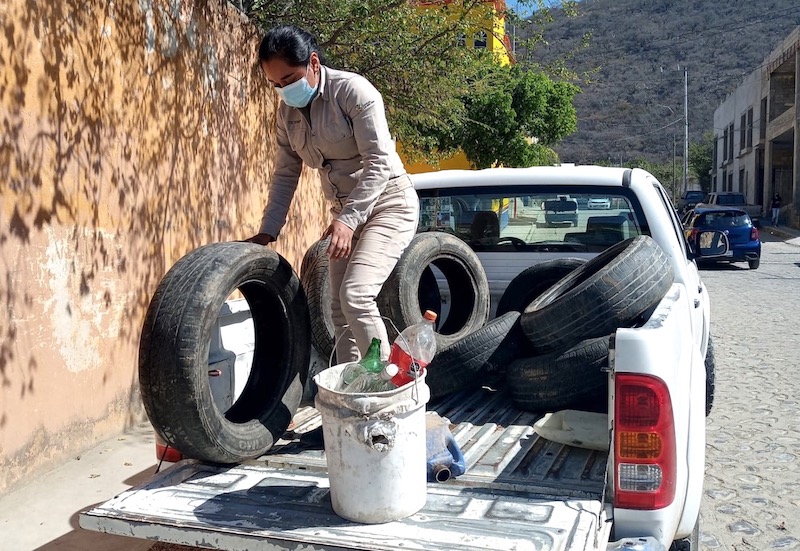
(640, 491)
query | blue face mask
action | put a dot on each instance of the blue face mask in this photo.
(297, 94)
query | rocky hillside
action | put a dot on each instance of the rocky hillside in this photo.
(632, 105)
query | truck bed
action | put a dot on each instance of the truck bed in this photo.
(520, 491)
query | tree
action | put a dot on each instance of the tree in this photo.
(516, 118)
(438, 93)
(701, 160)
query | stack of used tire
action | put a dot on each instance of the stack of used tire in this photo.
(548, 342)
(569, 324)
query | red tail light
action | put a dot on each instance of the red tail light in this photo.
(644, 443)
(754, 234)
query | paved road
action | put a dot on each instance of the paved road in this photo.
(752, 490)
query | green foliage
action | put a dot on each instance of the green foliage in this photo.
(701, 160)
(515, 120)
(440, 95)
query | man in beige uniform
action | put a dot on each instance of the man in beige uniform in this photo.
(335, 121)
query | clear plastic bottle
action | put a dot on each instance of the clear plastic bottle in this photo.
(370, 363)
(374, 382)
(414, 349)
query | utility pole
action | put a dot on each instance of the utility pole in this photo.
(685, 129)
(673, 166)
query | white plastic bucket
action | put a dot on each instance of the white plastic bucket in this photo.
(375, 449)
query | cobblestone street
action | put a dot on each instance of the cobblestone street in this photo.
(752, 489)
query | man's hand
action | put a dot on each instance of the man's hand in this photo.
(341, 240)
(261, 239)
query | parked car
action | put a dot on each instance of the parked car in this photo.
(599, 203)
(733, 199)
(562, 210)
(689, 199)
(744, 244)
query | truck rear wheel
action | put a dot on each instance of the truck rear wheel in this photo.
(571, 379)
(711, 374)
(692, 543)
(174, 349)
(609, 291)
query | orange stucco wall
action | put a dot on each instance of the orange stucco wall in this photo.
(131, 133)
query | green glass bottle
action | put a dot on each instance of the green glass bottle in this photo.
(370, 363)
(372, 359)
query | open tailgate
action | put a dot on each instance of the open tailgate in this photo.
(520, 492)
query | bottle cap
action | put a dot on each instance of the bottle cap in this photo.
(430, 315)
(390, 371)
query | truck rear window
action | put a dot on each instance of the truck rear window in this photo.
(509, 222)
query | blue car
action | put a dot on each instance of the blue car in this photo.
(744, 244)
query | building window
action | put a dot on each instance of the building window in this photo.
(762, 122)
(730, 144)
(742, 131)
(750, 127)
(741, 180)
(714, 151)
(730, 181)
(724, 180)
(724, 148)
(481, 39)
(714, 182)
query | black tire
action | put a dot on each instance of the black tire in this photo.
(562, 380)
(692, 543)
(754, 264)
(609, 291)
(317, 287)
(711, 374)
(174, 347)
(469, 289)
(478, 359)
(534, 281)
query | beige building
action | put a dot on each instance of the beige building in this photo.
(132, 132)
(757, 133)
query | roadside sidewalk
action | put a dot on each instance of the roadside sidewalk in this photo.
(790, 235)
(43, 515)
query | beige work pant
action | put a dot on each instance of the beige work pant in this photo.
(357, 280)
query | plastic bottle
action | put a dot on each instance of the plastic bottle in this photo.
(414, 349)
(370, 363)
(370, 382)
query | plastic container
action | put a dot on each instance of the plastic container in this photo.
(375, 449)
(373, 382)
(445, 460)
(414, 348)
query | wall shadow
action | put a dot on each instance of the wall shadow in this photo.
(132, 133)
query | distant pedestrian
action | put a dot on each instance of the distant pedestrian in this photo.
(776, 208)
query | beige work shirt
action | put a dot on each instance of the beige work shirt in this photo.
(347, 140)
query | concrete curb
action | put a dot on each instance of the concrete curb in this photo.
(789, 235)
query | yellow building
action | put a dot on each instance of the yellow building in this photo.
(489, 34)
